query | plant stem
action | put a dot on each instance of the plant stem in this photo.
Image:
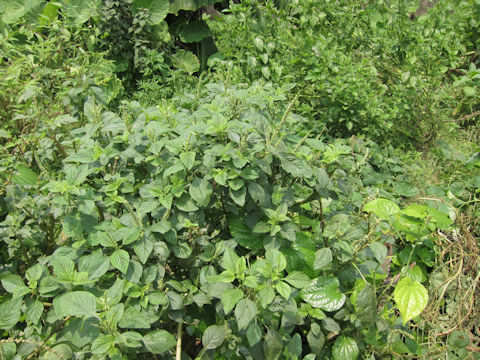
(178, 355)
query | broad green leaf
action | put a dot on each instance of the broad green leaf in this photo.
(119, 260)
(283, 289)
(75, 303)
(10, 313)
(59, 352)
(324, 294)
(34, 273)
(95, 265)
(254, 334)
(143, 248)
(294, 346)
(272, 345)
(230, 297)
(187, 159)
(159, 341)
(186, 61)
(459, 339)
(113, 295)
(257, 192)
(158, 9)
(315, 338)
(63, 267)
(79, 11)
(34, 311)
(383, 208)
(295, 166)
(12, 281)
(229, 260)
(134, 271)
(243, 235)
(16, 9)
(213, 337)
(323, 258)
(24, 176)
(266, 295)
(298, 279)
(411, 298)
(277, 259)
(194, 31)
(185, 203)
(238, 196)
(103, 344)
(201, 191)
(245, 312)
(133, 318)
(366, 304)
(345, 348)
(8, 350)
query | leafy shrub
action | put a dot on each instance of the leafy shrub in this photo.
(360, 68)
(211, 221)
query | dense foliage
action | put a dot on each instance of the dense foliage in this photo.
(160, 199)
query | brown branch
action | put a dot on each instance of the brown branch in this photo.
(462, 119)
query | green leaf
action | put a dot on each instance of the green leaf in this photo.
(201, 191)
(294, 346)
(63, 267)
(143, 248)
(79, 11)
(345, 348)
(186, 61)
(194, 31)
(213, 337)
(58, 352)
(185, 203)
(119, 260)
(243, 235)
(459, 339)
(298, 279)
(95, 265)
(230, 297)
(10, 313)
(103, 344)
(159, 341)
(315, 338)
(114, 294)
(366, 304)
(34, 311)
(254, 334)
(24, 176)
(266, 296)
(324, 294)
(75, 303)
(411, 298)
(272, 346)
(158, 9)
(383, 208)
(16, 9)
(277, 259)
(295, 166)
(238, 196)
(283, 289)
(12, 281)
(323, 258)
(245, 312)
(8, 350)
(229, 260)
(187, 159)
(257, 192)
